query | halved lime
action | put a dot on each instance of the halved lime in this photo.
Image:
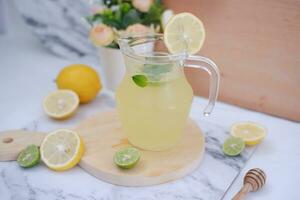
(233, 146)
(127, 157)
(29, 157)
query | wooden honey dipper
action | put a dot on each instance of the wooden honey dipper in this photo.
(253, 180)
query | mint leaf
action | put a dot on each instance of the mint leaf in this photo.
(155, 72)
(140, 80)
(157, 69)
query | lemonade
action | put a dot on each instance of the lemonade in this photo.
(153, 117)
(154, 98)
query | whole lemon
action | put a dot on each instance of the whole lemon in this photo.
(80, 78)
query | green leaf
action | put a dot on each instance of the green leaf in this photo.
(155, 72)
(89, 19)
(140, 80)
(125, 14)
(111, 18)
(157, 69)
(125, 7)
(153, 16)
(113, 45)
(94, 19)
(131, 17)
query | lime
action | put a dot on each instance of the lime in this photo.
(127, 157)
(233, 146)
(29, 157)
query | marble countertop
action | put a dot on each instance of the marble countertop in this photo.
(26, 75)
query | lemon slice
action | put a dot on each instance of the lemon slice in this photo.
(252, 133)
(62, 149)
(61, 104)
(184, 32)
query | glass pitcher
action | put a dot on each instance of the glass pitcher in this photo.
(154, 115)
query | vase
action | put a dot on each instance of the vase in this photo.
(113, 67)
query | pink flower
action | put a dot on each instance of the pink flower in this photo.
(142, 5)
(138, 29)
(101, 35)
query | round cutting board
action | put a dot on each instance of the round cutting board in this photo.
(103, 136)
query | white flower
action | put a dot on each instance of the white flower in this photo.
(166, 16)
(101, 35)
(142, 5)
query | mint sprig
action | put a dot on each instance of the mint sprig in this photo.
(140, 80)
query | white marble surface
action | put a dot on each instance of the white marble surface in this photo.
(59, 25)
(209, 181)
(26, 74)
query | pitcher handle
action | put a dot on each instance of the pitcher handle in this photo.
(211, 68)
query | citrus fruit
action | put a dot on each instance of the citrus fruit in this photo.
(233, 146)
(252, 133)
(82, 79)
(127, 157)
(184, 32)
(62, 149)
(61, 104)
(29, 157)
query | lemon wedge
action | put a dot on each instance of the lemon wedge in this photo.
(61, 104)
(184, 32)
(252, 133)
(62, 149)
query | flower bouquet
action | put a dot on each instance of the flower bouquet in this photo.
(112, 18)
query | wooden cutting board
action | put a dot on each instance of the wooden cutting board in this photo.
(103, 136)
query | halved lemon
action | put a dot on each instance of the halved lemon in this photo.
(61, 104)
(252, 133)
(62, 149)
(184, 32)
